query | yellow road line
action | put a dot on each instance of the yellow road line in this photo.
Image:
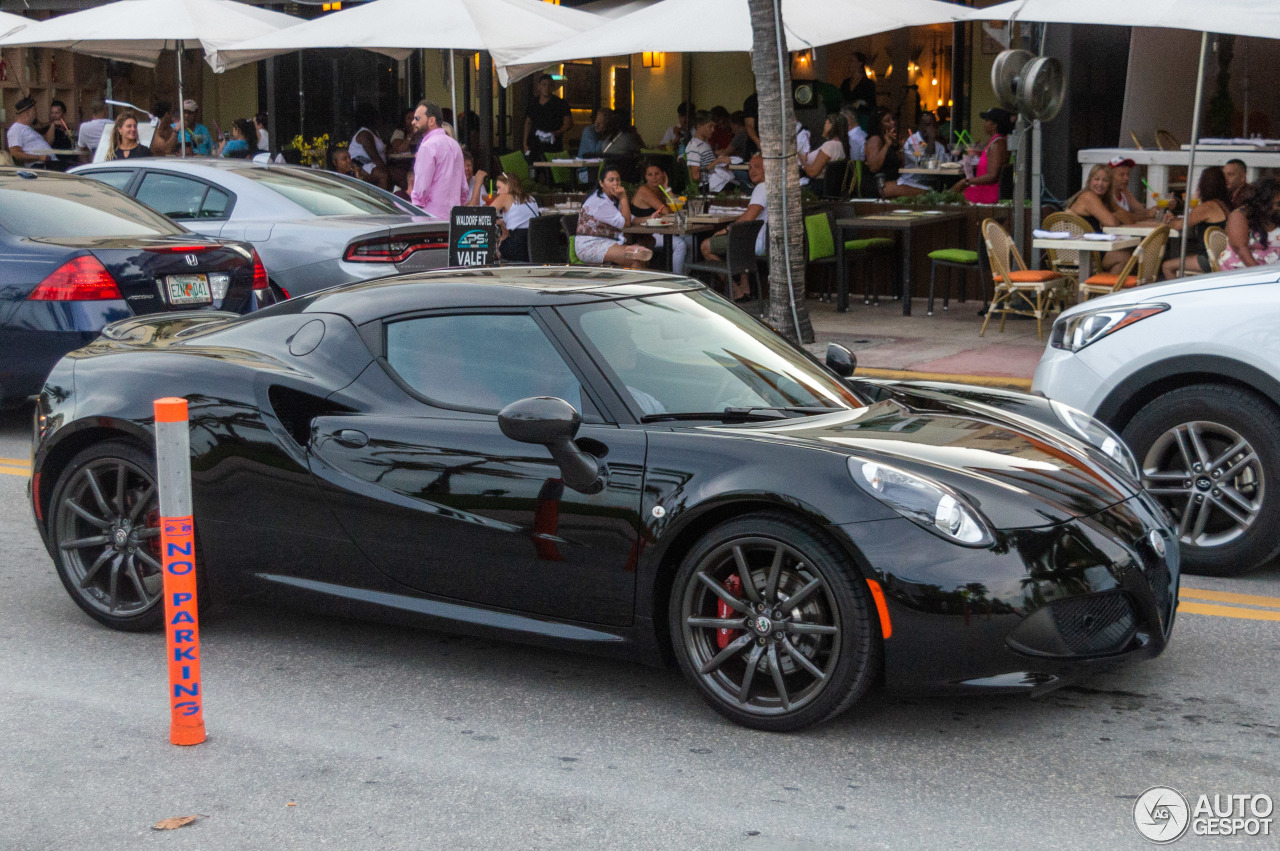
(981, 380)
(21, 462)
(1185, 607)
(25, 472)
(1229, 597)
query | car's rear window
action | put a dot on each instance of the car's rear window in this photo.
(58, 207)
(326, 195)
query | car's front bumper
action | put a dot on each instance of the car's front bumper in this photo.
(1064, 376)
(1041, 608)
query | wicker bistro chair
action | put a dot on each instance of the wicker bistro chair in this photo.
(740, 258)
(1143, 267)
(1018, 290)
(1066, 262)
(1215, 242)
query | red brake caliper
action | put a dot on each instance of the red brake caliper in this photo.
(723, 636)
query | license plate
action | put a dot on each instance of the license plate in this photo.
(188, 289)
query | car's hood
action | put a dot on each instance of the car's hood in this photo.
(1256, 276)
(1019, 472)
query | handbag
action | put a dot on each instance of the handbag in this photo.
(589, 225)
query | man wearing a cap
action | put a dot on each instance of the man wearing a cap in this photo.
(1130, 208)
(199, 142)
(25, 144)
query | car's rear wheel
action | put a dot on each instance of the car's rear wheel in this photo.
(104, 525)
(772, 625)
(1211, 455)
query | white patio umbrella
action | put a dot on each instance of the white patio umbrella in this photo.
(9, 23)
(698, 26)
(505, 28)
(138, 30)
(1236, 17)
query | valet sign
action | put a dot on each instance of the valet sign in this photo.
(1163, 815)
(473, 236)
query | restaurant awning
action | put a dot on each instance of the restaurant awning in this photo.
(696, 26)
(505, 28)
(138, 30)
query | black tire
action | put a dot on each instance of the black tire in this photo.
(102, 477)
(1228, 507)
(831, 628)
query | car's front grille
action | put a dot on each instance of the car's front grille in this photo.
(1099, 623)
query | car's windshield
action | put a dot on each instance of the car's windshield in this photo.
(691, 352)
(326, 195)
(56, 208)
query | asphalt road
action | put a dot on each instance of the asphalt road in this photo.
(326, 733)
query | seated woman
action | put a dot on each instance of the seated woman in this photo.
(650, 201)
(919, 147)
(124, 139)
(984, 186)
(475, 179)
(604, 214)
(1096, 205)
(1213, 209)
(517, 207)
(1253, 229)
(835, 146)
(884, 153)
(238, 146)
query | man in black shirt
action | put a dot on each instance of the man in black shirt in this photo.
(751, 117)
(546, 119)
(858, 86)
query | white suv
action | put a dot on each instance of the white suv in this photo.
(1189, 374)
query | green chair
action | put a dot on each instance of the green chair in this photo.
(515, 163)
(820, 248)
(951, 258)
(562, 177)
(570, 225)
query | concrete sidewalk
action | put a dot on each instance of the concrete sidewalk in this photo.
(944, 347)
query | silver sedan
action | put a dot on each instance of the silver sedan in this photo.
(313, 229)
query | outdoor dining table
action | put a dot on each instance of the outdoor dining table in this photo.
(696, 229)
(903, 223)
(1138, 230)
(1087, 248)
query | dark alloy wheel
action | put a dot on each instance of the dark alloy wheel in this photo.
(104, 524)
(771, 624)
(1211, 455)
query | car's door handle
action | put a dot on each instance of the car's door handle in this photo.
(351, 437)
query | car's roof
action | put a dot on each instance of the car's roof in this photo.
(9, 174)
(510, 286)
(187, 164)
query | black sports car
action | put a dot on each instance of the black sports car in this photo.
(611, 461)
(78, 254)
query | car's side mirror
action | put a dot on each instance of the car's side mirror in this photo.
(553, 423)
(840, 360)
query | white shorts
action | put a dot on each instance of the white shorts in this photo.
(591, 249)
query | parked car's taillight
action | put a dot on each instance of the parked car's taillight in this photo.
(82, 278)
(260, 281)
(394, 249)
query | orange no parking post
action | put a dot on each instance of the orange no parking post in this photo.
(177, 547)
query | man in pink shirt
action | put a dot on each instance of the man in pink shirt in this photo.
(439, 177)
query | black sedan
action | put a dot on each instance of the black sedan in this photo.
(78, 255)
(610, 461)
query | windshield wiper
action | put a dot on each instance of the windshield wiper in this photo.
(735, 414)
(754, 413)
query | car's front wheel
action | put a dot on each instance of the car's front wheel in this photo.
(104, 525)
(1211, 455)
(772, 624)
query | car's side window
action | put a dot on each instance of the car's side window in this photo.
(481, 362)
(119, 178)
(215, 204)
(175, 197)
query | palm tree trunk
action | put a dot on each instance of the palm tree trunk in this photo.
(776, 126)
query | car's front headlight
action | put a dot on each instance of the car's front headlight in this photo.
(1078, 330)
(1097, 434)
(921, 501)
